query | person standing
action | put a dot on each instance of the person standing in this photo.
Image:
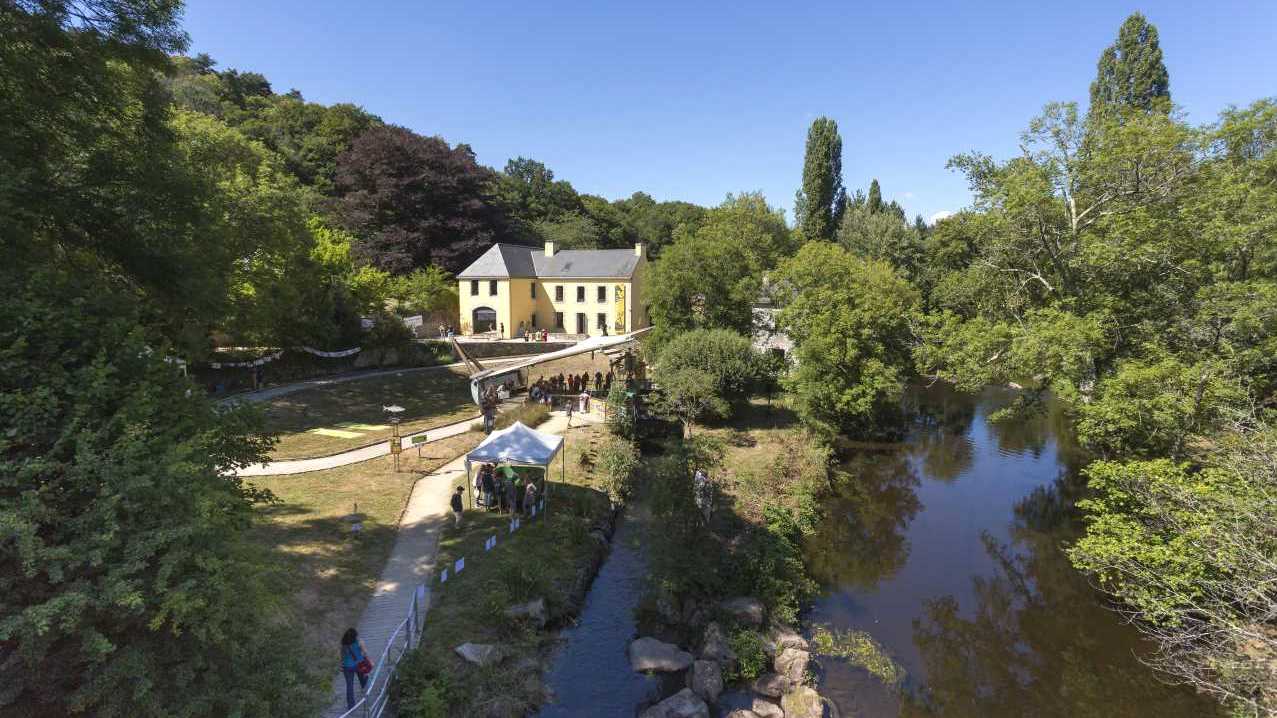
(489, 487)
(598, 381)
(529, 497)
(571, 406)
(457, 506)
(354, 664)
(510, 494)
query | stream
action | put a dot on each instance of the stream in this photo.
(591, 672)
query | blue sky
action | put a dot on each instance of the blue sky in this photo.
(692, 100)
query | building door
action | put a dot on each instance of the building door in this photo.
(485, 320)
(582, 326)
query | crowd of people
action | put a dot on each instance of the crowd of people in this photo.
(572, 384)
(504, 490)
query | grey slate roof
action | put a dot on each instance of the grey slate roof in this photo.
(503, 261)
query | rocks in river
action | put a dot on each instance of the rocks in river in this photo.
(532, 612)
(802, 702)
(766, 709)
(792, 664)
(481, 654)
(684, 704)
(649, 654)
(771, 684)
(745, 609)
(742, 713)
(706, 680)
(715, 646)
(781, 637)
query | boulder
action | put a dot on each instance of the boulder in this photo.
(773, 685)
(706, 680)
(715, 647)
(792, 664)
(533, 612)
(684, 704)
(481, 654)
(745, 609)
(649, 654)
(802, 702)
(767, 709)
(782, 637)
(742, 713)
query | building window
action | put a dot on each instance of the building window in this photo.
(558, 320)
(580, 294)
(603, 293)
(534, 320)
(603, 321)
(492, 288)
(558, 293)
(534, 292)
(474, 287)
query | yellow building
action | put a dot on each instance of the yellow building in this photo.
(513, 289)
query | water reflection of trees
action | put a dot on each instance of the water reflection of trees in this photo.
(862, 540)
(1037, 642)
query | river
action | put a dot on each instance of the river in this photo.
(947, 549)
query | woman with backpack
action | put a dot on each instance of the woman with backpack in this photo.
(354, 663)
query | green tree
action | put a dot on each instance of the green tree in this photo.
(727, 358)
(1130, 74)
(427, 291)
(875, 197)
(128, 586)
(822, 199)
(1190, 555)
(849, 320)
(688, 394)
(704, 280)
(570, 230)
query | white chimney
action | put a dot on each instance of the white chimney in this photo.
(640, 249)
(549, 249)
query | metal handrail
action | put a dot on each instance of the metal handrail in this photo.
(373, 702)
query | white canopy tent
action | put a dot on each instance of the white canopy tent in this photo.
(516, 445)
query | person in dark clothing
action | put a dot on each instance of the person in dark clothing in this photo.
(501, 494)
(598, 381)
(508, 494)
(352, 655)
(457, 506)
(489, 487)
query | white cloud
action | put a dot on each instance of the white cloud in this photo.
(908, 195)
(939, 216)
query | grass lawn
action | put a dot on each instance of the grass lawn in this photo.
(339, 417)
(540, 560)
(331, 572)
(756, 440)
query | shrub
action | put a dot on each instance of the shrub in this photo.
(751, 659)
(618, 458)
(723, 361)
(620, 413)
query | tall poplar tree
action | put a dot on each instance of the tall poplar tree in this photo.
(820, 203)
(1131, 73)
(875, 197)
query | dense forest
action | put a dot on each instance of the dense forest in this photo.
(153, 206)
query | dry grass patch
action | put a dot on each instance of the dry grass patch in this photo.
(350, 413)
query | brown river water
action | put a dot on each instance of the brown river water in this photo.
(948, 550)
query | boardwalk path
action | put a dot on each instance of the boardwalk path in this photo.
(411, 562)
